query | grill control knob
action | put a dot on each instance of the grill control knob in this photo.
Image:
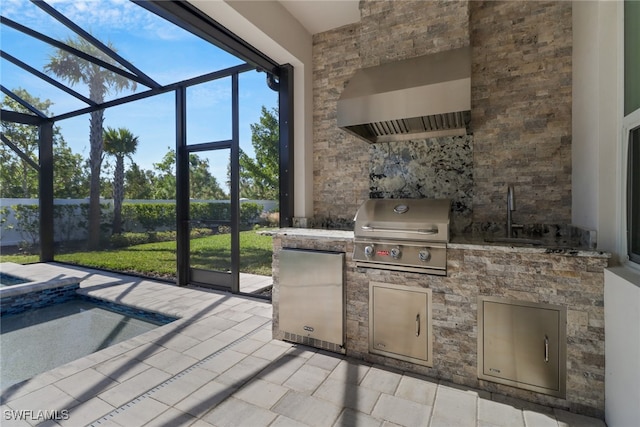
(424, 255)
(368, 251)
(395, 252)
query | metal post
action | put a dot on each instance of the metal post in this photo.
(235, 186)
(46, 191)
(285, 108)
(182, 189)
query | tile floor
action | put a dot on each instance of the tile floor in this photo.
(218, 366)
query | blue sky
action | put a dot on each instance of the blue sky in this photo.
(166, 53)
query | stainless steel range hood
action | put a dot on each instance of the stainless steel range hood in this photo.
(415, 98)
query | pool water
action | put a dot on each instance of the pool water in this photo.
(37, 341)
(8, 280)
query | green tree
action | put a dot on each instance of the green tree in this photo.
(17, 177)
(164, 186)
(138, 182)
(202, 184)
(100, 81)
(70, 177)
(259, 177)
(119, 143)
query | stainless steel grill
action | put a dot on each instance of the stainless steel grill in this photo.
(403, 234)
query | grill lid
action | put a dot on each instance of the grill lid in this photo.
(405, 219)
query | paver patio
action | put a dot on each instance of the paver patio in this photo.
(218, 366)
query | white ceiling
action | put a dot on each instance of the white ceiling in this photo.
(322, 15)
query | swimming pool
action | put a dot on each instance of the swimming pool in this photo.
(36, 341)
(9, 279)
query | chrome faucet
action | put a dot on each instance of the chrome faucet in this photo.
(511, 206)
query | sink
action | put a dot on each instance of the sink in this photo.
(517, 240)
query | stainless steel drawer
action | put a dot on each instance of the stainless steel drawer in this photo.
(399, 322)
(522, 344)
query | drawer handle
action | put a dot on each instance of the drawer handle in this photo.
(418, 324)
(546, 349)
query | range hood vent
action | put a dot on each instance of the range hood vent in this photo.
(421, 97)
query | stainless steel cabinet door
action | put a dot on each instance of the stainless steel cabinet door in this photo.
(523, 343)
(399, 322)
(311, 296)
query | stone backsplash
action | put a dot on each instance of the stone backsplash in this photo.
(521, 112)
(431, 168)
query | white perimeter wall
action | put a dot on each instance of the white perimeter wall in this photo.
(10, 234)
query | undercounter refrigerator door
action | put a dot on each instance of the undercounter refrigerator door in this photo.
(312, 294)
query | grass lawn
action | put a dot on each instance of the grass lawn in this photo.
(159, 259)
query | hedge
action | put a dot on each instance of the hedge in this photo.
(162, 216)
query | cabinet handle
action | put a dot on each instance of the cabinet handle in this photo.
(546, 349)
(418, 324)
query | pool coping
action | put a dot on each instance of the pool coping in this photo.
(35, 283)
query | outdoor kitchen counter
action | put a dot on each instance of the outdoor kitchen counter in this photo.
(476, 243)
(457, 242)
(319, 233)
(547, 274)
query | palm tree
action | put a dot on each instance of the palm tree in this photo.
(100, 81)
(119, 143)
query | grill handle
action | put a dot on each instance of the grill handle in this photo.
(394, 230)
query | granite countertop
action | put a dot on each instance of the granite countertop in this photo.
(457, 242)
(319, 233)
(479, 243)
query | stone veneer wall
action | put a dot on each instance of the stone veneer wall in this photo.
(575, 282)
(521, 109)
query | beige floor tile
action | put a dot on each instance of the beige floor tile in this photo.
(205, 398)
(454, 407)
(283, 421)
(121, 368)
(307, 409)
(498, 414)
(261, 393)
(382, 380)
(85, 385)
(86, 412)
(281, 369)
(243, 371)
(270, 351)
(306, 379)
(48, 398)
(348, 395)
(172, 417)
(171, 361)
(139, 413)
(417, 389)
(133, 387)
(325, 360)
(237, 413)
(182, 386)
(401, 411)
(350, 371)
(349, 417)
(537, 419)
